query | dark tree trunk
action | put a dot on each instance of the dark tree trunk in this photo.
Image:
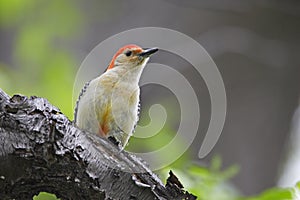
(41, 150)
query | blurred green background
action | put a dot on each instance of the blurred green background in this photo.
(255, 45)
(40, 60)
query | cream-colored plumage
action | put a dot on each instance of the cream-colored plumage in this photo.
(108, 105)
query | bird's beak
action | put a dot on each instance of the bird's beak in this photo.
(148, 52)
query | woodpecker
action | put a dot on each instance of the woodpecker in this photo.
(109, 104)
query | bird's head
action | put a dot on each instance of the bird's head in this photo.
(131, 56)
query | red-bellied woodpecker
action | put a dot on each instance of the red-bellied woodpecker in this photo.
(109, 104)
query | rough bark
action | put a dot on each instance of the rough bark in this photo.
(41, 150)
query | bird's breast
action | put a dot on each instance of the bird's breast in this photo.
(117, 106)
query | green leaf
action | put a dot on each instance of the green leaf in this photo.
(45, 196)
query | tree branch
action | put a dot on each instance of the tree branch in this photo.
(41, 150)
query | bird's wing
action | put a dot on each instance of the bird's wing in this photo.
(83, 90)
(138, 117)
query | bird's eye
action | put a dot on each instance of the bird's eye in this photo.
(128, 53)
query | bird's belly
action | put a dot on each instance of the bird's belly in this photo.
(124, 109)
(110, 111)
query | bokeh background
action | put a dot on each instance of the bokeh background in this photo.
(255, 44)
